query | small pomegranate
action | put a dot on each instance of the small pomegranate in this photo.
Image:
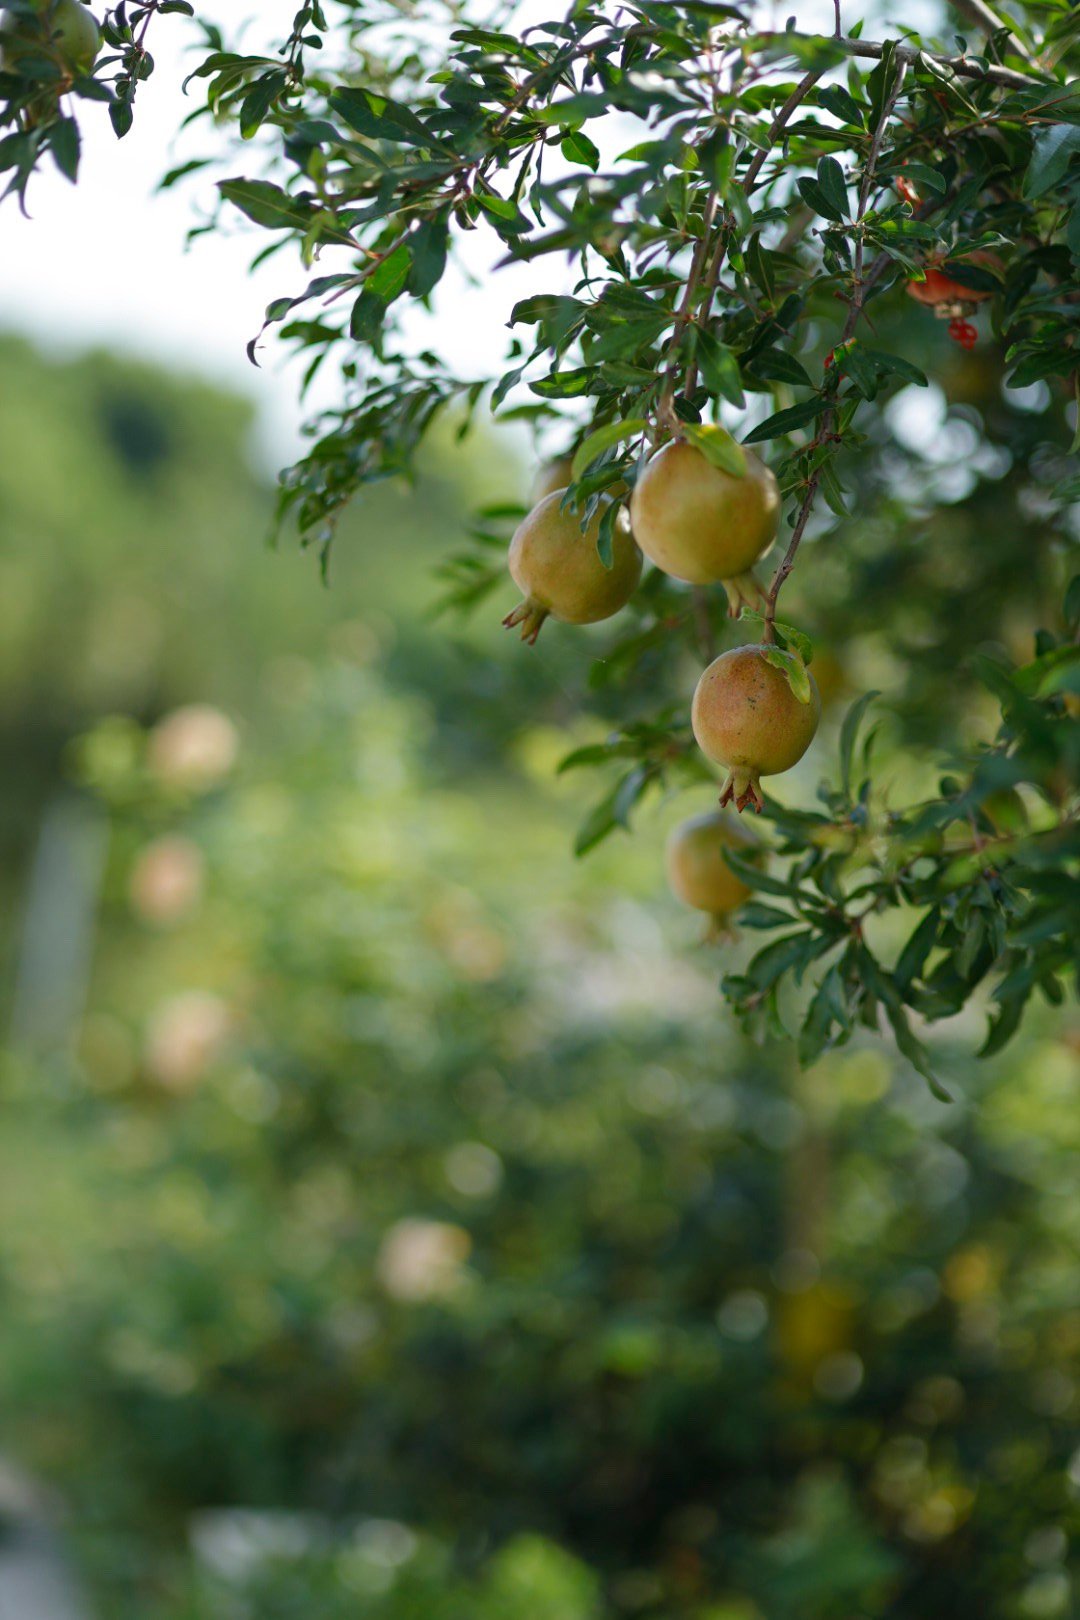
(698, 523)
(746, 717)
(950, 300)
(697, 871)
(551, 476)
(68, 27)
(560, 572)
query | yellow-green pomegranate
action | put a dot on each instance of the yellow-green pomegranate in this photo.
(747, 718)
(64, 28)
(551, 476)
(700, 524)
(697, 871)
(559, 572)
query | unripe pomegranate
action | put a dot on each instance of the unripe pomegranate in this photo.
(551, 476)
(67, 24)
(560, 572)
(697, 871)
(558, 474)
(700, 524)
(746, 717)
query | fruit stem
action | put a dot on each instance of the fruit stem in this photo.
(530, 615)
(743, 788)
(744, 591)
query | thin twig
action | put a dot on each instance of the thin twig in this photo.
(799, 94)
(860, 287)
(684, 313)
(981, 15)
(776, 128)
(872, 50)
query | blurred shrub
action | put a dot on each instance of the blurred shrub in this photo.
(394, 1183)
(408, 1234)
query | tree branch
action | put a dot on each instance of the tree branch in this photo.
(860, 288)
(871, 50)
(800, 92)
(982, 16)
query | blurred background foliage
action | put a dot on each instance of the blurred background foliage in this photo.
(391, 1222)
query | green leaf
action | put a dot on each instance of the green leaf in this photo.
(719, 368)
(881, 985)
(121, 117)
(912, 958)
(564, 384)
(259, 100)
(897, 366)
(1072, 232)
(755, 915)
(789, 662)
(603, 439)
(835, 99)
(913, 1049)
(756, 878)
(1004, 1026)
(64, 144)
(429, 244)
(860, 368)
(1072, 603)
(786, 421)
(266, 204)
(817, 199)
(1054, 147)
(717, 446)
(365, 322)
(506, 213)
(827, 1008)
(923, 176)
(605, 534)
(757, 262)
(849, 732)
(777, 957)
(580, 149)
(775, 366)
(388, 279)
(830, 178)
(379, 118)
(797, 639)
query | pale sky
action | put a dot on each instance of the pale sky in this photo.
(105, 262)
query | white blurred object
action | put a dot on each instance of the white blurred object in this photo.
(35, 1583)
(421, 1259)
(193, 748)
(166, 880)
(235, 1543)
(58, 928)
(186, 1036)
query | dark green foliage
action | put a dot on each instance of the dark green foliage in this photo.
(742, 211)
